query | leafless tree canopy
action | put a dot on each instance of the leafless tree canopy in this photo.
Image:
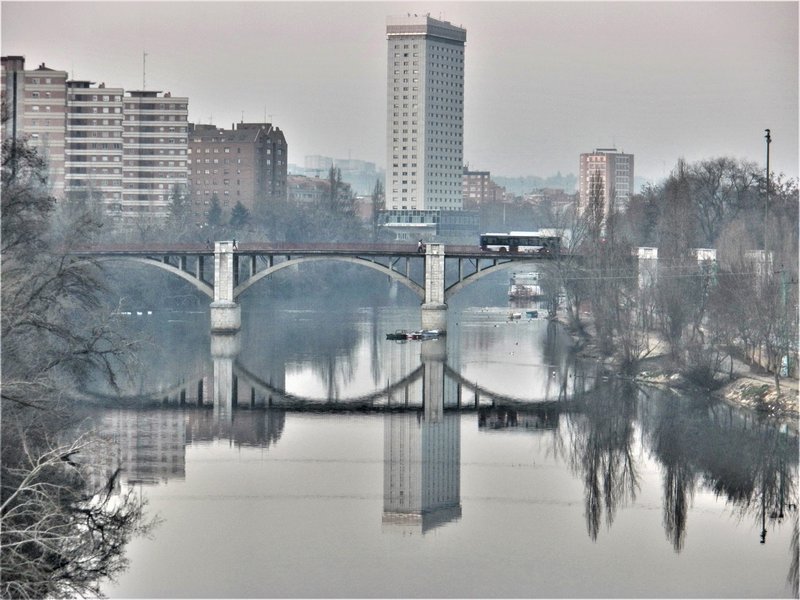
(61, 529)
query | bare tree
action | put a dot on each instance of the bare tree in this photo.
(720, 189)
(378, 204)
(57, 536)
(677, 294)
(61, 532)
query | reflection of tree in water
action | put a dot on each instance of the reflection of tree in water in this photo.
(600, 451)
(672, 439)
(752, 465)
(559, 361)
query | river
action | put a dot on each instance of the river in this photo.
(312, 457)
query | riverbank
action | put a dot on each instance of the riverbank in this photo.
(745, 386)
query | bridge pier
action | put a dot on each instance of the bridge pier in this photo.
(434, 309)
(224, 349)
(226, 314)
(433, 354)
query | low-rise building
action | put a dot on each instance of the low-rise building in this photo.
(478, 188)
(246, 163)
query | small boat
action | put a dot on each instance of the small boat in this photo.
(429, 334)
(420, 334)
(400, 334)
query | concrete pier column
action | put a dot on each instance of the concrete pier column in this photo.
(434, 309)
(433, 354)
(224, 349)
(226, 314)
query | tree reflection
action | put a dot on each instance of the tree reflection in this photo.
(672, 438)
(750, 463)
(601, 451)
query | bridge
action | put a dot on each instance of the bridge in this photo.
(237, 268)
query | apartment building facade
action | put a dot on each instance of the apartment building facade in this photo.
(155, 149)
(124, 151)
(246, 163)
(478, 188)
(36, 105)
(424, 116)
(94, 148)
(608, 173)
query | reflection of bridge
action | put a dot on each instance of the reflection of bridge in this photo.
(422, 427)
(234, 386)
(237, 269)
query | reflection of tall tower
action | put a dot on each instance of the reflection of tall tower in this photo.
(422, 455)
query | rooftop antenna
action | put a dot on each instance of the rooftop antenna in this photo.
(242, 117)
(144, 71)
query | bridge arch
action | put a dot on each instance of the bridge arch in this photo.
(399, 277)
(453, 289)
(202, 286)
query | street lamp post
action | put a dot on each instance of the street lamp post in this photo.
(766, 201)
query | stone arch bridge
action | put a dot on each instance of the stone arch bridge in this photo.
(226, 271)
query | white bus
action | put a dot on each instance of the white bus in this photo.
(531, 242)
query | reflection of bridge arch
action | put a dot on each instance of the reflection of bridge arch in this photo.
(405, 280)
(495, 397)
(203, 286)
(381, 399)
(281, 398)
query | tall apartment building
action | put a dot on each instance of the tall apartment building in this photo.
(155, 151)
(425, 110)
(93, 154)
(126, 151)
(36, 105)
(611, 173)
(246, 163)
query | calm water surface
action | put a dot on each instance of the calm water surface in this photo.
(314, 458)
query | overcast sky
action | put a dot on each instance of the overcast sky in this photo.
(544, 81)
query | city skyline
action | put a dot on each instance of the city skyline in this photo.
(544, 82)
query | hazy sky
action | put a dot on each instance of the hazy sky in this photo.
(544, 81)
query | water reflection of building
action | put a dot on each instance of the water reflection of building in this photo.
(148, 446)
(260, 428)
(422, 470)
(422, 455)
(531, 419)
